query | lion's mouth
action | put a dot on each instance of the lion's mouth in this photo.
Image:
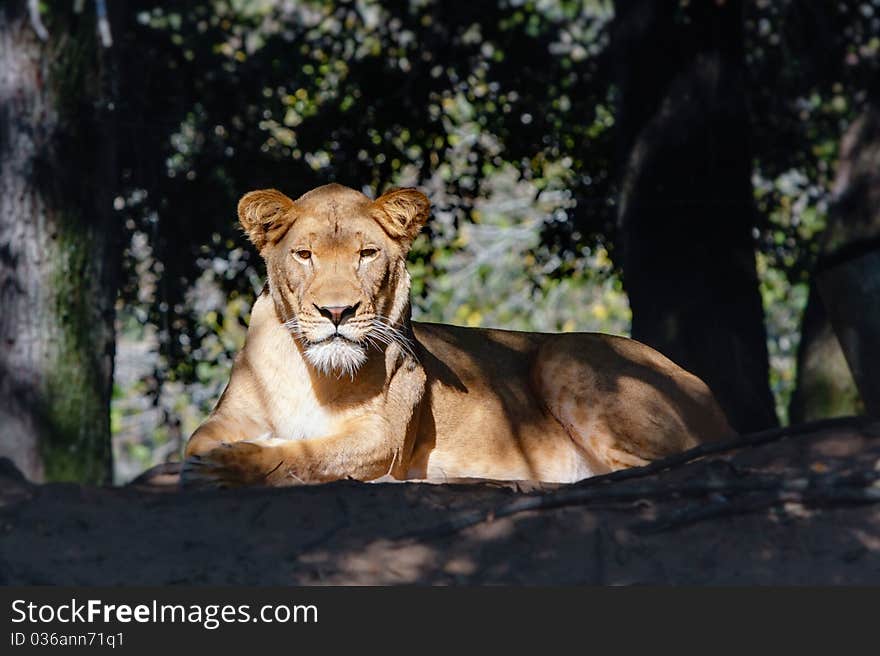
(332, 338)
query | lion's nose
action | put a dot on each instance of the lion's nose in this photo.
(338, 314)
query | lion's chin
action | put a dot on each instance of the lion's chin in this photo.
(336, 357)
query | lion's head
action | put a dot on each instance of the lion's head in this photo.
(336, 263)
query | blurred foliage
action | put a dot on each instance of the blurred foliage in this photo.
(502, 111)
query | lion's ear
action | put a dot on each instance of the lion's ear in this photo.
(402, 212)
(265, 215)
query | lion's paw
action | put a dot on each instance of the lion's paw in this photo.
(234, 464)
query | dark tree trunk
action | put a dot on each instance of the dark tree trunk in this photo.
(825, 386)
(59, 244)
(848, 271)
(686, 210)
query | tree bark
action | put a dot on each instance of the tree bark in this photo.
(825, 386)
(59, 245)
(686, 212)
(848, 270)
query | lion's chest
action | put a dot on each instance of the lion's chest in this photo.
(299, 416)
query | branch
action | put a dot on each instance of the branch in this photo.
(103, 23)
(733, 444)
(852, 488)
(37, 21)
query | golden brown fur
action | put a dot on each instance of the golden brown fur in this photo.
(335, 382)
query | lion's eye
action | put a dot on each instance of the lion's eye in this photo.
(303, 254)
(367, 253)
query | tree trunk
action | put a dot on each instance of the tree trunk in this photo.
(848, 271)
(825, 386)
(59, 245)
(686, 210)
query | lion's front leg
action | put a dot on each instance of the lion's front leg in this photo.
(364, 452)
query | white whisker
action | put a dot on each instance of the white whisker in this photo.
(292, 326)
(389, 334)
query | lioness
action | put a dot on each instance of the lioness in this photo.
(336, 382)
